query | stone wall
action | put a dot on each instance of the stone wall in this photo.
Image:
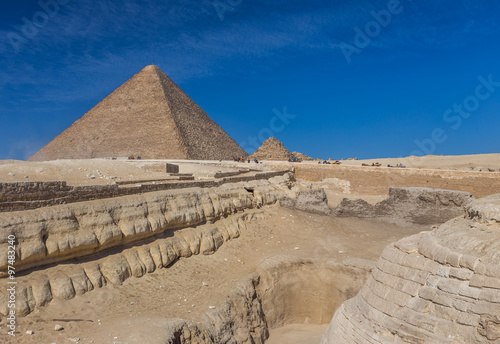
(434, 287)
(20, 196)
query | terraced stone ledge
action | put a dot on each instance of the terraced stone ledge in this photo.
(67, 281)
(59, 233)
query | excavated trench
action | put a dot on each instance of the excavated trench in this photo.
(285, 292)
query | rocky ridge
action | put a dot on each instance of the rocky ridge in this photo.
(55, 234)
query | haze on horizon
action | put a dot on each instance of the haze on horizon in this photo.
(365, 79)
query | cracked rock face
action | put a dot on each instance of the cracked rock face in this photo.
(310, 201)
(441, 286)
(423, 206)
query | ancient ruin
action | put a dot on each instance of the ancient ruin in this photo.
(149, 117)
(302, 156)
(272, 149)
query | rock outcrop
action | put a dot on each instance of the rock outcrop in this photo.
(416, 205)
(272, 149)
(68, 280)
(441, 286)
(115, 239)
(55, 234)
(310, 201)
(148, 116)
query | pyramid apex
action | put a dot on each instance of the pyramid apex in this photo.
(151, 68)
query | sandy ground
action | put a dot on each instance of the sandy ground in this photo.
(297, 334)
(178, 291)
(477, 162)
(105, 171)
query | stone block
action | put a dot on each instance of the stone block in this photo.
(461, 274)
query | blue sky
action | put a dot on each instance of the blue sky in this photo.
(352, 86)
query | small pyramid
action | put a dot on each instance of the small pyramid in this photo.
(301, 156)
(272, 149)
(148, 116)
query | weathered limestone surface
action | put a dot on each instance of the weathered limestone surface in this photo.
(20, 196)
(69, 280)
(435, 287)
(58, 233)
(423, 206)
(311, 201)
(378, 180)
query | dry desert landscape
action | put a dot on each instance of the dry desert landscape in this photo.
(196, 242)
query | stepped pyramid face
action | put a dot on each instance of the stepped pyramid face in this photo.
(148, 116)
(272, 149)
(302, 156)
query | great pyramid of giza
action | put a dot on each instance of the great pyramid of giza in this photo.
(148, 116)
(272, 149)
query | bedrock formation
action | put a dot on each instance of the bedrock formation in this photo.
(409, 205)
(441, 286)
(118, 238)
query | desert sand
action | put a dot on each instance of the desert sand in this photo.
(107, 171)
(191, 287)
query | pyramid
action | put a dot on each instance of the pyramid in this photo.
(148, 116)
(302, 156)
(272, 149)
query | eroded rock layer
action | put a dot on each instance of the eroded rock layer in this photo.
(58, 233)
(69, 280)
(435, 287)
(423, 206)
